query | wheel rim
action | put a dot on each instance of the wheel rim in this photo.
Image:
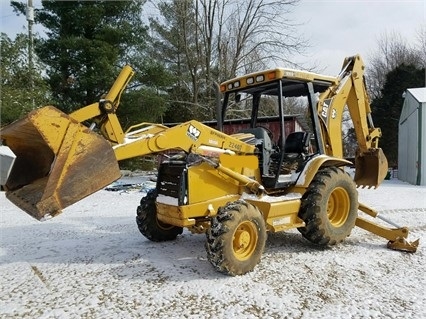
(245, 240)
(338, 207)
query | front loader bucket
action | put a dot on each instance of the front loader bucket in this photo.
(58, 162)
(371, 168)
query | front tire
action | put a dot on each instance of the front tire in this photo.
(329, 207)
(149, 225)
(236, 238)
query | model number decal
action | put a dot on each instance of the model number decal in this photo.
(235, 146)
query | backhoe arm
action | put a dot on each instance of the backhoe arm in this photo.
(351, 92)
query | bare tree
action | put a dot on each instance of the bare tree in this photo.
(213, 40)
(393, 50)
(421, 38)
(254, 33)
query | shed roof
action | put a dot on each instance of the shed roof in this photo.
(419, 94)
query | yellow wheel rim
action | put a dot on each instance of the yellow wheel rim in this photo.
(245, 240)
(338, 207)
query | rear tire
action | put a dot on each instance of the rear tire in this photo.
(236, 238)
(329, 207)
(149, 225)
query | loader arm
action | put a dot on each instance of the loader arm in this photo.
(190, 137)
(107, 106)
(351, 92)
(59, 160)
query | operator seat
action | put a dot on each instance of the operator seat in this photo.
(297, 144)
(291, 158)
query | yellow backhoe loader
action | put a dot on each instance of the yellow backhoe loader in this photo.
(233, 187)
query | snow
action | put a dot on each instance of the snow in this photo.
(92, 262)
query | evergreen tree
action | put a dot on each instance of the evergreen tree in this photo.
(19, 95)
(87, 44)
(387, 108)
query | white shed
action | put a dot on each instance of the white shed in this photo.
(412, 138)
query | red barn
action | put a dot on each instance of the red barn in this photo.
(293, 123)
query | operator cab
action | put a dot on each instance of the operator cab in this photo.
(283, 152)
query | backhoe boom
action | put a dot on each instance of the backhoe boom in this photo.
(350, 91)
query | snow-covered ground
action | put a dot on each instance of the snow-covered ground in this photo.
(92, 262)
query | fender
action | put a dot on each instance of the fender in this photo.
(312, 167)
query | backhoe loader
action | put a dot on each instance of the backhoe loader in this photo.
(235, 188)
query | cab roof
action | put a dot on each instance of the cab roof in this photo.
(293, 82)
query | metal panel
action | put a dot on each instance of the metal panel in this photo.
(412, 136)
(422, 143)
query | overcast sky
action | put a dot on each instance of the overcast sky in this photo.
(335, 29)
